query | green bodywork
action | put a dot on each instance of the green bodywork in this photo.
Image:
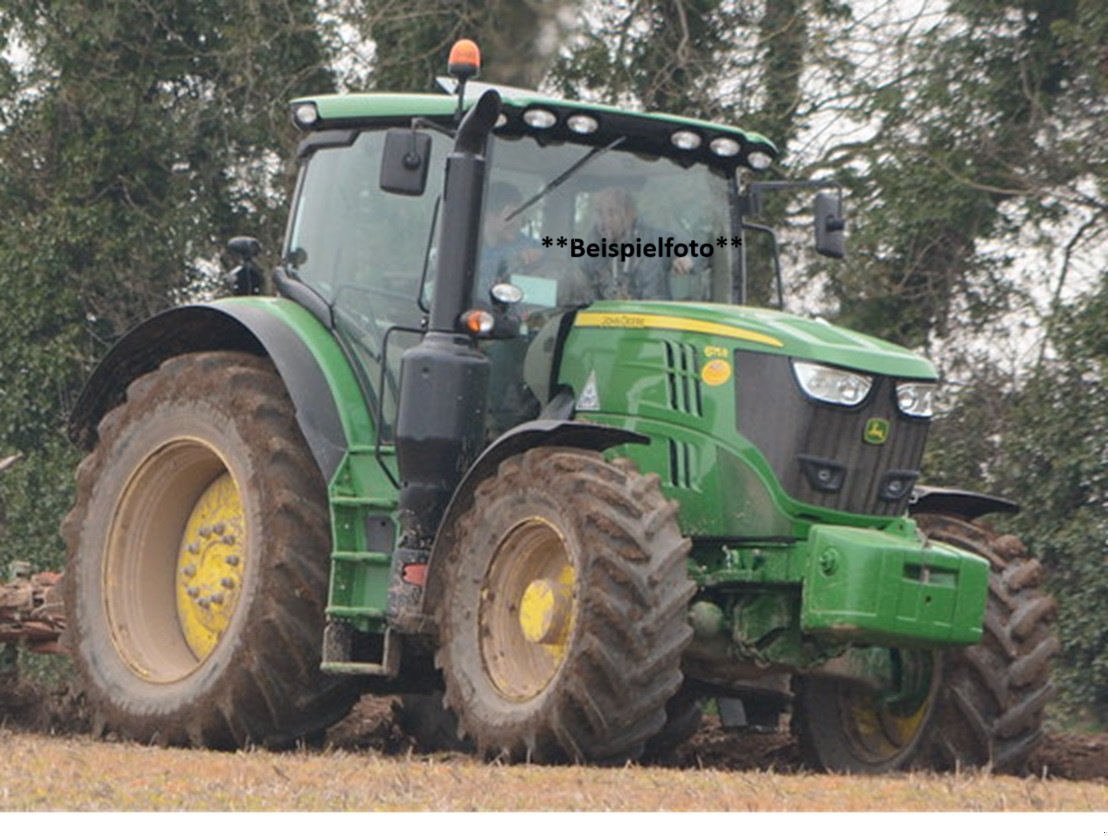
(781, 583)
(814, 572)
(361, 491)
(622, 348)
(841, 578)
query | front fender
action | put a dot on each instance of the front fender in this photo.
(330, 406)
(548, 432)
(968, 504)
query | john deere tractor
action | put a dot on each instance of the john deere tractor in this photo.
(506, 434)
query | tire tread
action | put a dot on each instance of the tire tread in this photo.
(276, 695)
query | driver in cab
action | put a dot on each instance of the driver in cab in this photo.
(616, 221)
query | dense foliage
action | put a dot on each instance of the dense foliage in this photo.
(1058, 467)
(135, 138)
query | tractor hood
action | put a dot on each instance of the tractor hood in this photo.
(769, 331)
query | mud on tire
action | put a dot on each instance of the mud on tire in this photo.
(199, 419)
(564, 617)
(991, 705)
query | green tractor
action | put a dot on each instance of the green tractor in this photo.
(507, 440)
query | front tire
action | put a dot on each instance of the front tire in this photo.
(985, 703)
(198, 553)
(844, 727)
(992, 705)
(564, 617)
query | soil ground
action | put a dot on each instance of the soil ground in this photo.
(372, 726)
(1081, 757)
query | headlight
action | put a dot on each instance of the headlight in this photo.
(917, 399)
(538, 117)
(686, 140)
(305, 114)
(825, 383)
(759, 160)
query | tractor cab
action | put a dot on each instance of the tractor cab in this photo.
(581, 203)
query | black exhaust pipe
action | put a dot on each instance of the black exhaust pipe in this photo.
(440, 426)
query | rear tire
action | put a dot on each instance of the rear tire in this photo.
(198, 555)
(564, 618)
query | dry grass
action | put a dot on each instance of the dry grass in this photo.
(38, 772)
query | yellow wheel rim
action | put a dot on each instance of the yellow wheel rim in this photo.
(161, 545)
(528, 609)
(881, 729)
(881, 726)
(210, 565)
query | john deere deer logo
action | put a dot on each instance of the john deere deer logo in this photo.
(876, 432)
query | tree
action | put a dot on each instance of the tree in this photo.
(134, 140)
(1056, 464)
(989, 155)
(986, 135)
(411, 40)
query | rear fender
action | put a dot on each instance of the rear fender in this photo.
(330, 406)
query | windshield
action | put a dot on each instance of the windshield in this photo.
(619, 226)
(567, 224)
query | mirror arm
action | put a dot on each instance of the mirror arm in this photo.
(768, 230)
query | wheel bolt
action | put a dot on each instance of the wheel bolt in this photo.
(194, 548)
(219, 528)
(228, 539)
(216, 597)
(227, 583)
(231, 560)
(192, 591)
(205, 531)
(189, 571)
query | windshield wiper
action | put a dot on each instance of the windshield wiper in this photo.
(422, 122)
(565, 175)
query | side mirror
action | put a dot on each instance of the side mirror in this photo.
(406, 161)
(245, 247)
(830, 225)
(247, 279)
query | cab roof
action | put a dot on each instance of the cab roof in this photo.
(645, 132)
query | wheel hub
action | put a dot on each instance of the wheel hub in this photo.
(210, 565)
(883, 724)
(544, 611)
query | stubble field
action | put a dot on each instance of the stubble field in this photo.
(368, 765)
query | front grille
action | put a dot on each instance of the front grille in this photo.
(804, 440)
(683, 378)
(681, 464)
